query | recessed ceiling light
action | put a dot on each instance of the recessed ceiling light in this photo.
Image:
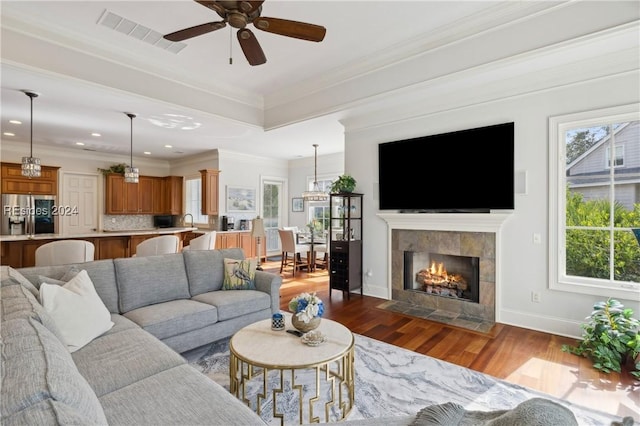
(96, 134)
(80, 143)
(9, 134)
(147, 153)
(15, 121)
(168, 146)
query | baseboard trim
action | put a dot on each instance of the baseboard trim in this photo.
(546, 324)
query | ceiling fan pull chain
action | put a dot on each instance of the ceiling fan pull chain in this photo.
(230, 47)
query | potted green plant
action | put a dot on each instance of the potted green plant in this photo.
(116, 168)
(344, 183)
(610, 339)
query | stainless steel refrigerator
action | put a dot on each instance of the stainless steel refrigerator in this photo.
(28, 214)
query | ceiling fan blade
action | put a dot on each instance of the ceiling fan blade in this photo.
(195, 31)
(251, 48)
(295, 29)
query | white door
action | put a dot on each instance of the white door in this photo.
(79, 203)
(273, 210)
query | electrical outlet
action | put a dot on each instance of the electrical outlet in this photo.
(535, 296)
(113, 220)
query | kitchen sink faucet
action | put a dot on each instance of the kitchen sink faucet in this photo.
(184, 218)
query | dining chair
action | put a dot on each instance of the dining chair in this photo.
(64, 252)
(162, 244)
(291, 252)
(321, 253)
(207, 241)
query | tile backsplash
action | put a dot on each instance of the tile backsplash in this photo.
(127, 222)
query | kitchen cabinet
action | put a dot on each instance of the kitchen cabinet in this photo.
(227, 240)
(143, 193)
(172, 195)
(158, 189)
(111, 247)
(14, 183)
(22, 253)
(210, 194)
(243, 240)
(151, 195)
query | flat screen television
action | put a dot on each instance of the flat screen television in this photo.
(469, 170)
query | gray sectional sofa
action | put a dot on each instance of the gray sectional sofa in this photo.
(133, 374)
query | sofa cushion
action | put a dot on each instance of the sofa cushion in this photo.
(47, 412)
(68, 275)
(36, 366)
(101, 272)
(7, 272)
(114, 361)
(240, 274)
(18, 302)
(146, 280)
(172, 318)
(77, 310)
(180, 396)
(235, 303)
(205, 268)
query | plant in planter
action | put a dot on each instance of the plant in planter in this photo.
(610, 339)
(116, 168)
(344, 183)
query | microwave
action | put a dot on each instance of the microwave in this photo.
(163, 221)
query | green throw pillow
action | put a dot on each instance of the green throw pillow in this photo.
(239, 274)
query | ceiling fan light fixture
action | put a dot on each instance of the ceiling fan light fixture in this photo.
(315, 194)
(131, 174)
(31, 165)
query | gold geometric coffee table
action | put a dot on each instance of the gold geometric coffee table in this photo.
(256, 350)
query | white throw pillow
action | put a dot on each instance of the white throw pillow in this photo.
(77, 310)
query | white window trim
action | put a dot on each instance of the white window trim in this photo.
(558, 280)
(619, 150)
(186, 201)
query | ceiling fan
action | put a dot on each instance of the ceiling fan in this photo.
(239, 14)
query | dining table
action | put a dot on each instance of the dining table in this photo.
(310, 239)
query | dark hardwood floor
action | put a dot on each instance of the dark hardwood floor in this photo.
(517, 355)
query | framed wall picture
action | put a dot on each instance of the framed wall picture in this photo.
(297, 204)
(241, 199)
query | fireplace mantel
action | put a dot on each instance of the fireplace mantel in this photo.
(467, 222)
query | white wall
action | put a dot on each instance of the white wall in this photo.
(525, 264)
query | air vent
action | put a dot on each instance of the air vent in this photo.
(137, 31)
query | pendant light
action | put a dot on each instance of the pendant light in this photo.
(30, 164)
(315, 194)
(131, 174)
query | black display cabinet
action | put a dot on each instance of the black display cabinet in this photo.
(345, 252)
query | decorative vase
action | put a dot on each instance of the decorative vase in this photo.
(305, 326)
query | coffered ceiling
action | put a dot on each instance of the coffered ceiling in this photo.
(92, 61)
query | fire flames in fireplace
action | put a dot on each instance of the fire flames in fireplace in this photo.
(436, 280)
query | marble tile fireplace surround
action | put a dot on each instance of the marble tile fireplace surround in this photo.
(471, 235)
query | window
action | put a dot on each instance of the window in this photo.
(619, 156)
(593, 207)
(193, 196)
(319, 210)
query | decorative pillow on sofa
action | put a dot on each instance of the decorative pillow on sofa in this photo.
(77, 310)
(239, 274)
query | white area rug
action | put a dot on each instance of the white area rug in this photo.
(391, 381)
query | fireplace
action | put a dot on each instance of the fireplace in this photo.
(475, 237)
(442, 275)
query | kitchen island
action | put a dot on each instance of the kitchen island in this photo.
(18, 251)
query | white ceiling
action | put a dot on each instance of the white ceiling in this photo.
(62, 51)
